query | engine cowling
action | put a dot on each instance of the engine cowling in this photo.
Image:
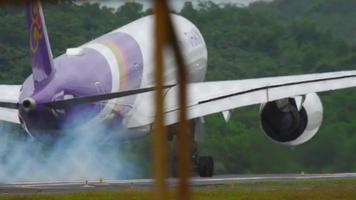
(292, 121)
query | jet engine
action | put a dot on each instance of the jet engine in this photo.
(292, 121)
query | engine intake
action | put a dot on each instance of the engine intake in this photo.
(285, 122)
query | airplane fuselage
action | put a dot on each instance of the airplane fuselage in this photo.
(120, 60)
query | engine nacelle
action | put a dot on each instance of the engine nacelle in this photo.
(292, 121)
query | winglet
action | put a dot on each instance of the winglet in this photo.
(42, 59)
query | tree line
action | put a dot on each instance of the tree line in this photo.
(264, 39)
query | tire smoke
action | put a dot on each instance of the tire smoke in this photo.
(86, 153)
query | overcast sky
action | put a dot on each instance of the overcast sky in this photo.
(176, 4)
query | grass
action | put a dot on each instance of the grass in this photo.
(323, 190)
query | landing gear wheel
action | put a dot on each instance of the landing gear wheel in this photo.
(174, 169)
(205, 166)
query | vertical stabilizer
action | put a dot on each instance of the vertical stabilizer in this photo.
(42, 64)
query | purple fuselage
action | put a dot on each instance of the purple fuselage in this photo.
(89, 72)
(120, 60)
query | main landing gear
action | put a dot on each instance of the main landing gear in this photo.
(205, 166)
(202, 165)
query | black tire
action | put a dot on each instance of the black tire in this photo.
(206, 166)
(174, 170)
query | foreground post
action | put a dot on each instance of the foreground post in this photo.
(165, 36)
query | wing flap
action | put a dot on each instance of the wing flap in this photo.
(216, 106)
(311, 87)
(213, 97)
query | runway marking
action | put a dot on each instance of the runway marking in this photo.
(23, 186)
(195, 181)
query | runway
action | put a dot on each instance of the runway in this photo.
(84, 185)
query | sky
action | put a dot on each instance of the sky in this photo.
(176, 4)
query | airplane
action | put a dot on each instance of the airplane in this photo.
(109, 80)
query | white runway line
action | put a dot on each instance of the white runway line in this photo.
(194, 181)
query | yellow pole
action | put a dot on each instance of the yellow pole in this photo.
(164, 26)
(159, 136)
(183, 136)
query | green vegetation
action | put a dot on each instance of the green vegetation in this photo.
(337, 16)
(280, 38)
(326, 190)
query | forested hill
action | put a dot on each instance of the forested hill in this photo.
(335, 15)
(249, 43)
(280, 38)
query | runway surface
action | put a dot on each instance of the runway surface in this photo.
(76, 186)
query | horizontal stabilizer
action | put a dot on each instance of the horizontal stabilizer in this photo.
(9, 96)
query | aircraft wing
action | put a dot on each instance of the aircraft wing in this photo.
(207, 98)
(9, 93)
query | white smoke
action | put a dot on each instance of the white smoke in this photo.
(81, 154)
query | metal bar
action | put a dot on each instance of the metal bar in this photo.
(159, 136)
(183, 137)
(165, 33)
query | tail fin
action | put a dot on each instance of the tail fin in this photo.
(42, 59)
